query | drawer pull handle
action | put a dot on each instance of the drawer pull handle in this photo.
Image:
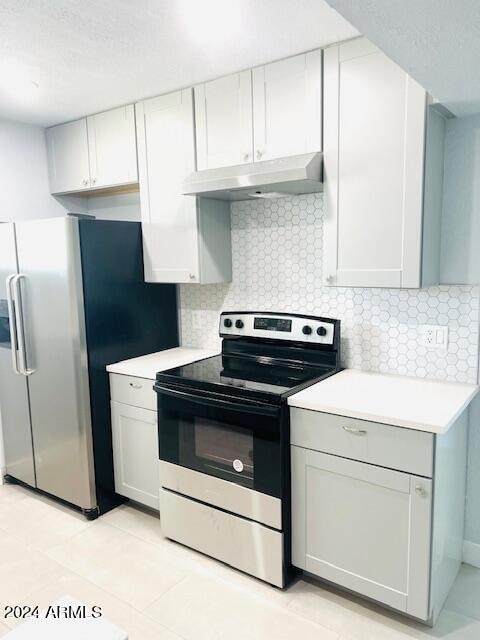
(355, 431)
(135, 386)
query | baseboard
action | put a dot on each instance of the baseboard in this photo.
(471, 553)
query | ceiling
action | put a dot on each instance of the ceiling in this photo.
(64, 59)
(436, 41)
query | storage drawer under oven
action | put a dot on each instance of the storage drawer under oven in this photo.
(220, 493)
(240, 543)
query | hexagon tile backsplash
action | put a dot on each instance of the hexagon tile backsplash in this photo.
(277, 266)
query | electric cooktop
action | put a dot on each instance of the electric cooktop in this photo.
(266, 354)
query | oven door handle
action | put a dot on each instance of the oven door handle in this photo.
(243, 406)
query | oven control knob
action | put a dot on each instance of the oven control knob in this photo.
(239, 324)
(307, 330)
(322, 331)
(227, 323)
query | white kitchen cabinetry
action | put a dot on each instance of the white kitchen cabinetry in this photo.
(135, 439)
(383, 163)
(390, 535)
(67, 152)
(112, 147)
(223, 120)
(287, 107)
(186, 240)
(269, 112)
(98, 152)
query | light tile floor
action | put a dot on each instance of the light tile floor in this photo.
(156, 589)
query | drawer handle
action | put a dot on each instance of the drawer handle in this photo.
(355, 431)
(136, 386)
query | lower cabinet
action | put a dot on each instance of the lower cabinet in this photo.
(135, 453)
(379, 509)
(363, 527)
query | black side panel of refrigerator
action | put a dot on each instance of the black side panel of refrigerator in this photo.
(125, 318)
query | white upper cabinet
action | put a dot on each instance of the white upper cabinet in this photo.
(93, 153)
(112, 147)
(223, 113)
(268, 112)
(383, 167)
(184, 240)
(287, 107)
(67, 151)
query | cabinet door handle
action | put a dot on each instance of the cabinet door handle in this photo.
(93, 181)
(136, 386)
(355, 431)
(259, 154)
(246, 157)
(85, 182)
(420, 491)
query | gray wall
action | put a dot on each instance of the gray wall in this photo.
(461, 263)
(461, 207)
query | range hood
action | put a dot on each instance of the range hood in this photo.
(265, 179)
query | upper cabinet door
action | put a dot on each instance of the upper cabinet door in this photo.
(67, 150)
(166, 155)
(112, 147)
(287, 107)
(224, 128)
(374, 146)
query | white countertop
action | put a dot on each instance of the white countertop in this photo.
(415, 403)
(148, 365)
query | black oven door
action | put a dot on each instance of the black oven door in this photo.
(231, 438)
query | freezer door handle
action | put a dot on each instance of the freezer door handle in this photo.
(24, 370)
(12, 321)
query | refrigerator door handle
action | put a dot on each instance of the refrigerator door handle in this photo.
(24, 370)
(12, 321)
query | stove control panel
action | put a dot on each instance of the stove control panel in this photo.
(278, 327)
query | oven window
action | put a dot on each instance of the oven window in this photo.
(222, 439)
(225, 451)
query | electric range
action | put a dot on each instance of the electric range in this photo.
(224, 438)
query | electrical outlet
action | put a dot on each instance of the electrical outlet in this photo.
(434, 336)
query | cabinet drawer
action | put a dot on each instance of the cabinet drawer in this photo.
(135, 391)
(238, 542)
(380, 444)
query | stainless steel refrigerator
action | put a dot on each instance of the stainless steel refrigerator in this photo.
(72, 300)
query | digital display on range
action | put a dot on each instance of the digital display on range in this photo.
(272, 324)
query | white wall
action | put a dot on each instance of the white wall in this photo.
(23, 169)
(125, 206)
